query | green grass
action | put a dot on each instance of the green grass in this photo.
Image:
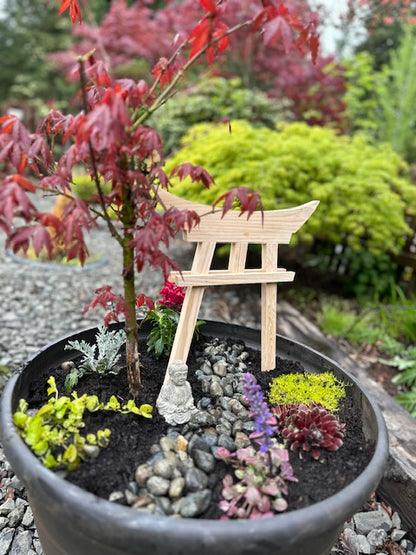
(391, 327)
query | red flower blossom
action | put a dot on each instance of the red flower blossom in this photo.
(172, 295)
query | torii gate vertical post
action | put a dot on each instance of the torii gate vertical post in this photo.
(268, 229)
(268, 308)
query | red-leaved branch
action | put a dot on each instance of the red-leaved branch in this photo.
(110, 139)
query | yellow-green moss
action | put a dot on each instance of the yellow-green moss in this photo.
(322, 388)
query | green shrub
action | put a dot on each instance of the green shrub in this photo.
(362, 189)
(322, 388)
(216, 99)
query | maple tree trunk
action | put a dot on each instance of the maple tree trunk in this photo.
(132, 348)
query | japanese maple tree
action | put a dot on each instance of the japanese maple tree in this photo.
(110, 139)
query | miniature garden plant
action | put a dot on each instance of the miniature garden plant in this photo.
(323, 388)
(309, 428)
(54, 431)
(109, 140)
(262, 474)
(164, 318)
(304, 407)
(100, 357)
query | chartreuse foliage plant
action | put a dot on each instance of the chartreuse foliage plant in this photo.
(323, 388)
(54, 432)
(363, 190)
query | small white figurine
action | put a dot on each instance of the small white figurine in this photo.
(175, 402)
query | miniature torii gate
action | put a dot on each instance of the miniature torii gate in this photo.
(269, 229)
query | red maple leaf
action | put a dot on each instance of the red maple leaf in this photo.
(207, 34)
(107, 299)
(181, 219)
(278, 28)
(14, 201)
(209, 6)
(74, 9)
(38, 234)
(309, 37)
(157, 175)
(105, 126)
(16, 142)
(246, 199)
(149, 239)
(144, 300)
(136, 94)
(163, 71)
(147, 142)
(220, 46)
(200, 37)
(23, 182)
(76, 218)
(196, 173)
(7, 123)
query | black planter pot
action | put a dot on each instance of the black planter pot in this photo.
(71, 521)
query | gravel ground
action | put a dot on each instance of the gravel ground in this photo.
(40, 305)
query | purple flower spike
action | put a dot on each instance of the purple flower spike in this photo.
(265, 422)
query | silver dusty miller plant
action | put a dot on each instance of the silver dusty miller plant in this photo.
(107, 343)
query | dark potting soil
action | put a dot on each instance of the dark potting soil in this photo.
(132, 436)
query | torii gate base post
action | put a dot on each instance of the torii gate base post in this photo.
(269, 229)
